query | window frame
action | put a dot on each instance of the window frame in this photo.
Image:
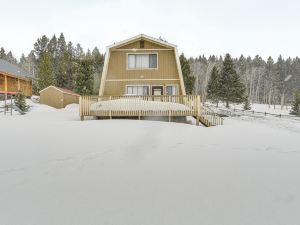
(173, 85)
(142, 53)
(136, 85)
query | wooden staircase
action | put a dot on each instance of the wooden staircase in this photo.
(208, 117)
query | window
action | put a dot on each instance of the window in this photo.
(142, 61)
(137, 90)
(171, 90)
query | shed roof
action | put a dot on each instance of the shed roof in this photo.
(14, 70)
(63, 90)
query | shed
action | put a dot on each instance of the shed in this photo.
(58, 97)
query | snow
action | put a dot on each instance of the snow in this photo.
(55, 169)
(263, 108)
(136, 104)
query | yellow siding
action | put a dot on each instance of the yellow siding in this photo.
(56, 98)
(118, 88)
(52, 97)
(117, 70)
(70, 99)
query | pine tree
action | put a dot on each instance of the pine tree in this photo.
(84, 77)
(79, 54)
(45, 75)
(189, 81)
(61, 73)
(20, 102)
(10, 58)
(246, 105)
(40, 47)
(98, 59)
(213, 86)
(296, 104)
(2, 53)
(231, 88)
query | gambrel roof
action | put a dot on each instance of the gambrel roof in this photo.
(132, 40)
(142, 37)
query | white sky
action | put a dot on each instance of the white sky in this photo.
(264, 27)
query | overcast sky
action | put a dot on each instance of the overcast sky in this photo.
(249, 27)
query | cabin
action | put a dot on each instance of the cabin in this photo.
(142, 77)
(58, 97)
(14, 79)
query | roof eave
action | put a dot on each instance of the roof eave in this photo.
(140, 36)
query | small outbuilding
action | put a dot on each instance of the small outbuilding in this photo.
(58, 97)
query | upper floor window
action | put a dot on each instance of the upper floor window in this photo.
(142, 61)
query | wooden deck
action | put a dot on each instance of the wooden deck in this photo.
(146, 106)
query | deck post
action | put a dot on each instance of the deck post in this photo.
(82, 118)
(198, 110)
(5, 87)
(110, 116)
(169, 115)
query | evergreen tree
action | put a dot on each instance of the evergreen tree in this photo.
(296, 104)
(2, 53)
(20, 102)
(84, 77)
(213, 86)
(45, 76)
(10, 58)
(231, 88)
(79, 53)
(40, 47)
(61, 73)
(189, 81)
(246, 105)
(98, 59)
(71, 66)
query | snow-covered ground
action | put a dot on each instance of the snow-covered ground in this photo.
(264, 108)
(55, 169)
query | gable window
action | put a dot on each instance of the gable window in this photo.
(142, 61)
(137, 90)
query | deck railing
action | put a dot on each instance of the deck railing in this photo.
(143, 106)
(209, 117)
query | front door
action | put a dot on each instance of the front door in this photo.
(157, 90)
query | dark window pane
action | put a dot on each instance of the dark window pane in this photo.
(152, 61)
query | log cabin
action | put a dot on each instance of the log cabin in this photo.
(142, 77)
(14, 79)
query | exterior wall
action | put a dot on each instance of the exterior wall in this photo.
(2, 83)
(56, 98)
(119, 88)
(14, 84)
(118, 75)
(52, 97)
(69, 99)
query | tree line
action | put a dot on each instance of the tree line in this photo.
(54, 61)
(268, 82)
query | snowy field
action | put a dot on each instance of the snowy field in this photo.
(263, 108)
(55, 169)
